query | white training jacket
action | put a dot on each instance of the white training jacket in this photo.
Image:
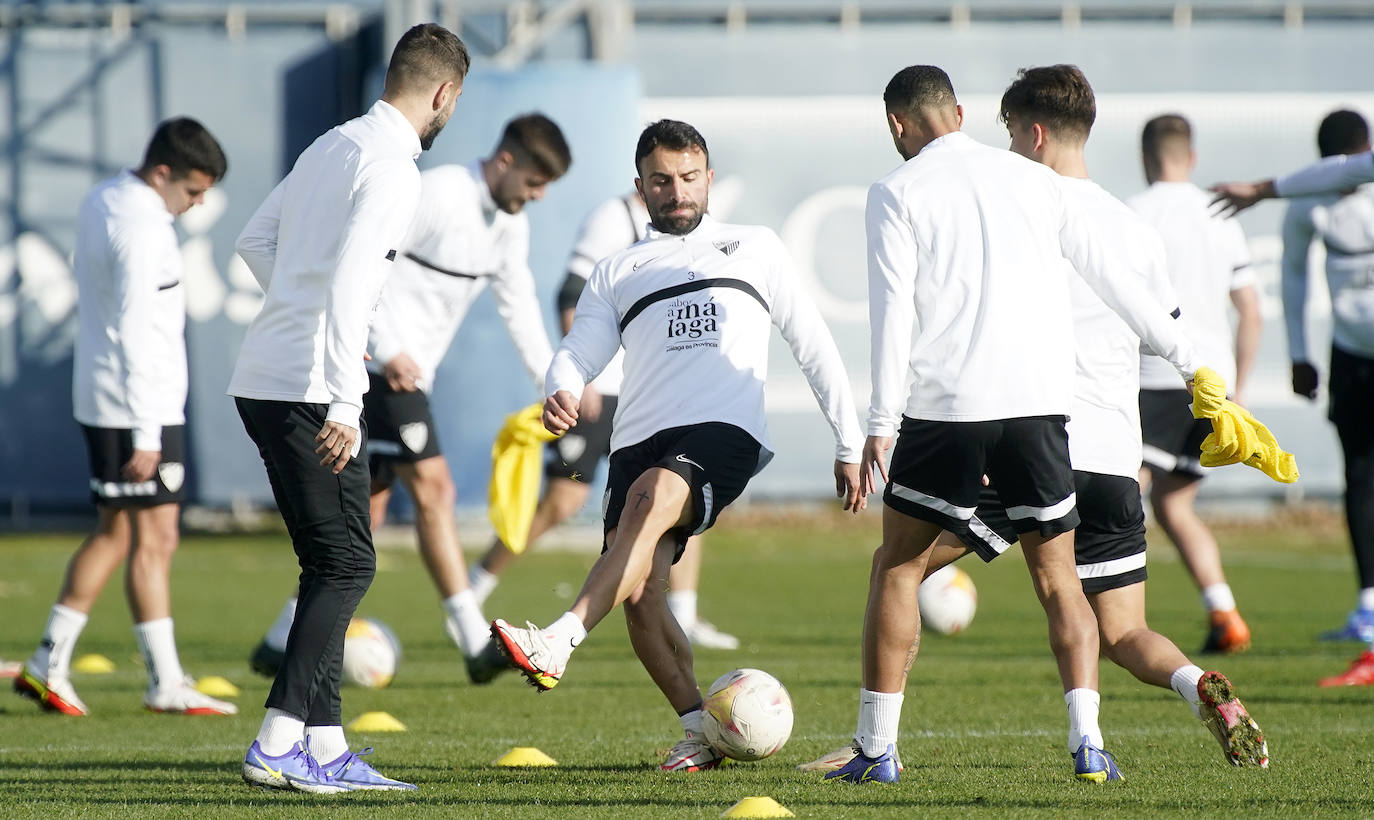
(321, 245)
(693, 314)
(458, 244)
(1345, 224)
(129, 365)
(1331, 175)
(969, 295)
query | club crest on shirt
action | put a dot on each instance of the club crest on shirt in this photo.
(693, 321)
(727, 248)
(172, 473)
(415, 435)
(571, 447)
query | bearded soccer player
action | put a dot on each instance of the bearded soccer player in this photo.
(693, 306)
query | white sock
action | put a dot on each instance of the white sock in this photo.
(53, 658)
(1218, 598)
(281, 628)
(879, 715)
(691, 722)
(159, 647)
(474, 632)
(481, 582)
(568, 627)
(280, 731)
(1367, 599)
(1184, 682)
(1083, 705)
(683, 604)
(325, 743)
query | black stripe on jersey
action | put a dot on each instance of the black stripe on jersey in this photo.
(425, 263)
(688, 287)
(169, 285)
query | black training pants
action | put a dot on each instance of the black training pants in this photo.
(327, 517)
(1352, 410)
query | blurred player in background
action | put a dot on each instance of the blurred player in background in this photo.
(572, 460)
(321, 245)
(693, 306)
(1049, 112)
(1209, 263)
(469, 232)
(994, 382)
(1349, 268)
(129, 390)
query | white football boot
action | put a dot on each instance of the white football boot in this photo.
(184, 698)
(691, 754)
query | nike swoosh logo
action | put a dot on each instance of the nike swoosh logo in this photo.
(686, 460)
(641, 264)
(269, 769)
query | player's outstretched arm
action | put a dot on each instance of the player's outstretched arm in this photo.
(1233, 197)
(1331, 175)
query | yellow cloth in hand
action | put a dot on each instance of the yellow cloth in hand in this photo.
(1236, 435)
(515, 469)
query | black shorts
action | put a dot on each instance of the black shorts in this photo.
(1108, 545)
(576, 454)
(110, 448)
(399, 428)
(937, 468)
(715, 459)
(1173, 438)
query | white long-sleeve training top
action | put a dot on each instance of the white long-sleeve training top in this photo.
(1346, 227)
(1331, 175)
(321, 245)
(1104, 425)
(458, 244)
(1208, 259)
(129, 365)
(693, 314)
(969, 295)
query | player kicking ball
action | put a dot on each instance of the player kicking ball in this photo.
(692, 305)
(1049, 112)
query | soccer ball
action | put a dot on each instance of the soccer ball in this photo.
(371, 653)
(948, 600)
(747, 714)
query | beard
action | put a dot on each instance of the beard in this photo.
(664, 220)
(432, 129)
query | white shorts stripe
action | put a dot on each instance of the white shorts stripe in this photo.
(1158, 458)
(1050, 513)
(1116, 566)
(937, 504)
(707, 499)
(984, 533)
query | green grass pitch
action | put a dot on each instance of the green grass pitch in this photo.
(983, 724)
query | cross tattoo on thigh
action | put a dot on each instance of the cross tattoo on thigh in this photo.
(640, 498)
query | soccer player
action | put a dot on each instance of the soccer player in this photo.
(969, 294)
(129, 391)
(1345, 225)
(574, 458)
(1209, 263)
(470, 231)
(321, 245)
(692, 306)
(1049, 112)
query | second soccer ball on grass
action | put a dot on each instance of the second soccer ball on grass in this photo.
(947, 600)
(371, 653)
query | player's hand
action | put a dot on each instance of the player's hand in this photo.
(1233, 197)
(591, 404)
(402, 374)
(875, 456)
(1305, 380)
(560, 412)
(847, 486)
(336, 445)
(141, 465)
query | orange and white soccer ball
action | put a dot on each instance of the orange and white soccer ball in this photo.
(371, 653)
(948, 600)
(747, 714)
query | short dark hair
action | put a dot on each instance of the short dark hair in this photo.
(673, 135)
(918, 87)
(1342, 132)
(1056, 96)
(425, 55)
(1163, 134)
(184, 145)
(534, 139)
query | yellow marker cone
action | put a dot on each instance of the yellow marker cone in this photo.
(758, 807)
(524, 756)
(217, 687)
(376, 722)
(94, 665)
